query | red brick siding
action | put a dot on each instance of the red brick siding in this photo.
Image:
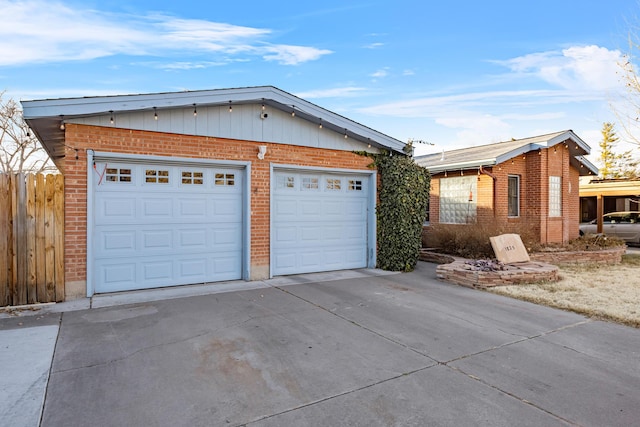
(82, 138)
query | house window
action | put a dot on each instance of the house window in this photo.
(458, 199)
(555, 196)
(513, 195)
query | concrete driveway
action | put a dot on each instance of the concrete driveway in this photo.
(388, 350)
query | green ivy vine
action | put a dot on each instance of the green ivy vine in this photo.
(403, 199)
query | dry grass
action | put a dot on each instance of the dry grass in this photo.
(610, 292)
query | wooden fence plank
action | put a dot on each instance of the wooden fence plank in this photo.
(59, 235)
(30, 239)
(20, 230)
(13, 266)
(49, 236)
(41, 287)
(5, 239)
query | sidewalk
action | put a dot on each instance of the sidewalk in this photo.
(26, 351)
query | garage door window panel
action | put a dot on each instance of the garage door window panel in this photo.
(156, 176)
(310, 183)
(115, 174)
(225, 179)
(285, 182)
(355, 185)
(333, 184)
(192, 177)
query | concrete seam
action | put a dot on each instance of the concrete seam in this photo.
(339, 395)
(514, 396)
(46, 387)
(359, 325)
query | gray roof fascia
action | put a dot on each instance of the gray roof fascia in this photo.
(459, 166)
(68, 108)
(526, 148)
(569, 135)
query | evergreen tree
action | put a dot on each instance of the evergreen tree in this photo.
(615, 165)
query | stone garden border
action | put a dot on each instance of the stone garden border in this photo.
(541, 268)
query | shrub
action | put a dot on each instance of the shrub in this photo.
(594, 242)
(472, 240)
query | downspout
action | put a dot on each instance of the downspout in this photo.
(495, 178)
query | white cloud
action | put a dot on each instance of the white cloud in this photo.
(436, 106)
(42, 31)
(182, 65)
(384, 72)
(474, 122)
(578, 68)
(293, 55)
(374, 45)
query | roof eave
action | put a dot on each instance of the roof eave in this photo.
(584, 166)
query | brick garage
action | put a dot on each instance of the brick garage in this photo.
(472, 186)
(307, 146)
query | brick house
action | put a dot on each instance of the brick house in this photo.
(531, 182)
(180, 188)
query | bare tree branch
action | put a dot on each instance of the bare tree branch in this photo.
(20, 150)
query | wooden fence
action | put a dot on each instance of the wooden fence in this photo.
(31, 238)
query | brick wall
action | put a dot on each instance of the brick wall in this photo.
(534, 169)
(82, 138)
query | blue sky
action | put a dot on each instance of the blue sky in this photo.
(455, 73)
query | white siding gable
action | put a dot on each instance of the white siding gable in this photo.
(243, 123)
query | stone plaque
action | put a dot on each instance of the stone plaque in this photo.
(509, 248)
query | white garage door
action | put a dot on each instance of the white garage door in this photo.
(163, 225)
(319, 222)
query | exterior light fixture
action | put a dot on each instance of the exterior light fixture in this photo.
(262, 150)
